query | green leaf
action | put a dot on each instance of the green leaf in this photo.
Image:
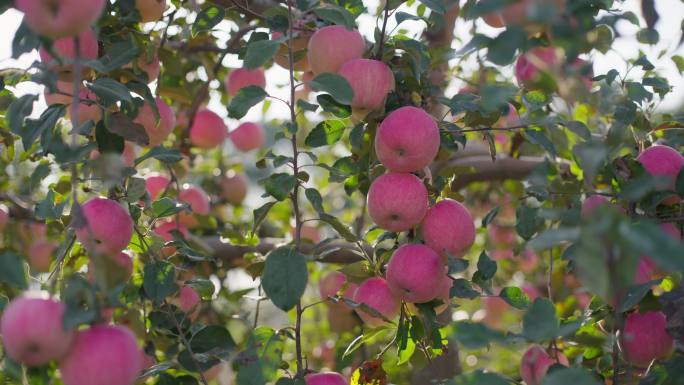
(315, 199)
(110, 91)
(118, 55)
(325, 133)
(245, 99)
(279, 185)
(461, 288)
(80, 298)
(343, 230)
(403, 16)
(636, 294)
(536, 100)
(475, 335)
(260, 215)
(285, 277)
(336, 15)
(259, 52)
(515, 297)
(159, 281)
(120, 124)
(570, 376)
(539, 137)
(45, 124)
(527, 221)
(579, 128)
(214, 338)
(435, 5)
(204, 287)
(679, 62)
(24, 41)
(164, 155)
(540, 323)
(13, 270)
(554, 237)
(18, 111)
(207, 19)
(328, 104)
(306, 106)
(337, 86)
(165, 207)
(502, 48)
(490, 216)
(486, 267)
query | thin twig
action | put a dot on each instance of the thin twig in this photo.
(187, 346)
(381, 43)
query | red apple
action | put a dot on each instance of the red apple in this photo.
(248, 136)
(535, 65)
(325, 378)
(4, 216)
(234, 187)
(156, 184)
(60, 18)
(150, 10)
(108, 227)
(157, 131)
(208, 130)
(407, 140)
(644, 338)
(66, 49)
(413, 271)
(371, 81)
(536, 362)
(300, 42)
(32, 330)
(103, 355)
(376, 294)
(397, 201)
(663, 162)
(241, 77)
(40, 254)
(332, 46)
(448, 228)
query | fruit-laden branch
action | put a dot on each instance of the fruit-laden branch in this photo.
(475, 164)
(338, 251)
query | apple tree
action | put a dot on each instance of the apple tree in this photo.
(341, 192)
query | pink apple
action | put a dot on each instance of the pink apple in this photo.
(247, 137)
(494, 19)
(397, 201)
(532, 65)
(165, 229)
(40, 254)
(664, 162)
(208, 130)
(66, 49)
(645, 338)
(156, 184)
(157, 131)
(88, 109)
(341, 320)
(62, 94)
(103, 355)
(60, 18)
(188, 299)
(242, 77)
(500, 235)
(407, 140)
(4, 216)
(325, 378)
(448, 228)
(332, 283)
(234, 187)
(647, 267)
(151, 66)
(590, 205)
(32, 331)
(536, 362)
(332, 46)
(527, 261)
(307, 232)
(196, 198)
(413, 271)
(371, 81)
(150, 10)
(108, 228)
(495, 308)
(114, 270)
(376, 294)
